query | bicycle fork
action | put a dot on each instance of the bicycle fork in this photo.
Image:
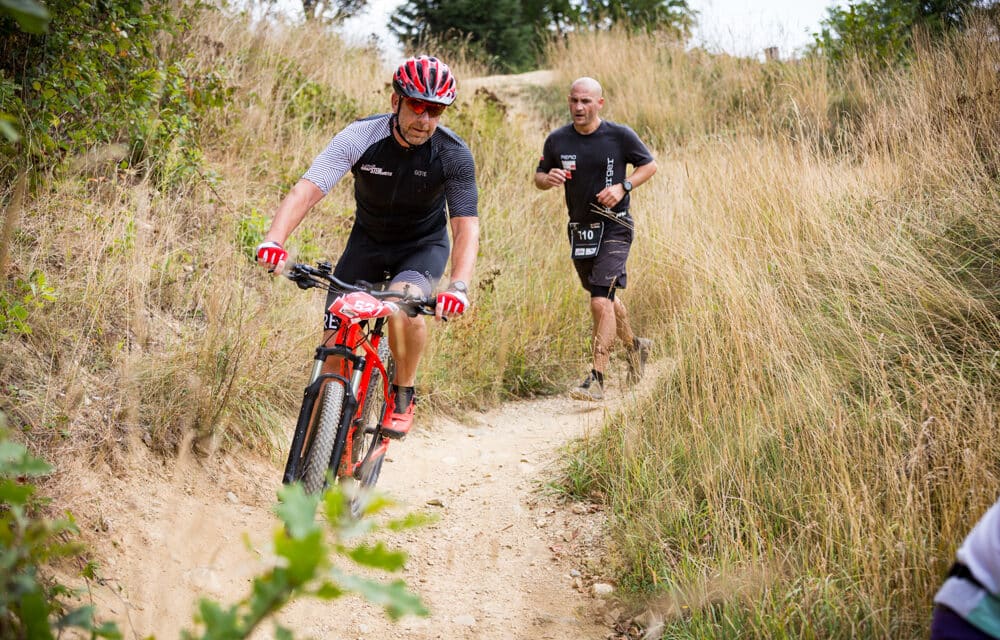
(317, 381)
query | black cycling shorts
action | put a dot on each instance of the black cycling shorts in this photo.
(606, 270)
(376, 262)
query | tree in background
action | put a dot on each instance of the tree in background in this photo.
(671, 15)
(336, 11)
(495, 32)
(509, 34)
(882, 31)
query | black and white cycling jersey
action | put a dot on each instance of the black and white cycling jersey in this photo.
(402, 193)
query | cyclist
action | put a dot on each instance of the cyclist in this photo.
(587, 158)
(411, 176)
(968, 603)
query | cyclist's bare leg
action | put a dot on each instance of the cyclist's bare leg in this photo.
(407, 339)
(602, 310)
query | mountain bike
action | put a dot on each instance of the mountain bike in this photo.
(338, 434)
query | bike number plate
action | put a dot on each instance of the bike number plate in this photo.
(585, 239)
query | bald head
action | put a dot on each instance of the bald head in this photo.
(585, 104)
(589, 85)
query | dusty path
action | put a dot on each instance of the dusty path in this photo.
(506, 559)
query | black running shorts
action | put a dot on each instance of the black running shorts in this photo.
(607, 268)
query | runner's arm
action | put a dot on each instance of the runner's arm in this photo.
(552, 178)
(643, 173)
(611, 196)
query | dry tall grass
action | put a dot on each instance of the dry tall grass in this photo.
(832, 415)
(164, 328)
(818, 255)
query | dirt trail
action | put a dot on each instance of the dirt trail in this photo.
(506, 559)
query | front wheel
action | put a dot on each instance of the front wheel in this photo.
(318, 458)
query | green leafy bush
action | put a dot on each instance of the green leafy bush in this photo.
(32, 605)
(29, 295)
(105, 73)
(306, 569)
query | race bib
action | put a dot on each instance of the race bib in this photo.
(585, 239)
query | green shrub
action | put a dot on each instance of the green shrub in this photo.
(31, 604)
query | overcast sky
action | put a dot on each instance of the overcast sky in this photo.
(746, 27)
(739, 27)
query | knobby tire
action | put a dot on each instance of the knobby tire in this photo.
(318, 459)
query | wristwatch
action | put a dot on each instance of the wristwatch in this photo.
(459, 286)
(627, 184)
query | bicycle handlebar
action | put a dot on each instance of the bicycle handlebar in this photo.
(321, 277)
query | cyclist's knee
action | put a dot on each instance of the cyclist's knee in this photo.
(410, 278)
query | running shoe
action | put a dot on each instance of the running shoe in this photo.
(590, 389)
(636, 359)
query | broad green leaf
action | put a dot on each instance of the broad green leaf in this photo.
(394, 597)
(336, 505)
(109, 630)
(82, 618)
(305, 556)
(378, 557)
(328, 591)
(15, 493)
(15, 459)
(282, 633)
(297, 510)
(269, 592)
(9, 131)
(218, 623)
(411, 520)
(32, 16)
(34, 612)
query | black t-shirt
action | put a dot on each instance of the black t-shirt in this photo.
(595, 161)
(401, 192)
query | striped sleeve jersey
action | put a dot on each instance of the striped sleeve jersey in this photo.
(402, 193)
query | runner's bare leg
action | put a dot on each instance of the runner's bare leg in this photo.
(602, 311)
(624, 327)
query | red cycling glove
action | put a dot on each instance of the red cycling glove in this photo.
(453, 301)
(271, 253)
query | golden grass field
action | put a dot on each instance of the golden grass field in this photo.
(817, 259)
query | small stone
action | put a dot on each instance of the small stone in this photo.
(465, 620)
(232, 497)
(541, 523)
(574, 573)
(602, 589)
(435, 502)
(580, 509)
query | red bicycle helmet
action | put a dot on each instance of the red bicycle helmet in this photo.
(425, 78)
